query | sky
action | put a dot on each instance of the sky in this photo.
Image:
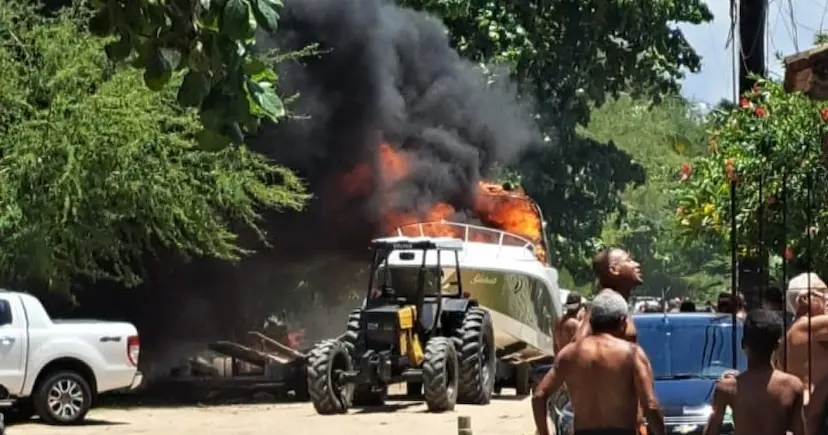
(792, 25)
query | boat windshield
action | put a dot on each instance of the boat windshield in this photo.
(402, 281)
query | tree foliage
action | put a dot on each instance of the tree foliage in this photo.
(570, 55)
(771, 148)
(661, 138)
(212, 42)
(97, 170)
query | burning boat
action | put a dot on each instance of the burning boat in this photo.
(506, 272)
(503, 264)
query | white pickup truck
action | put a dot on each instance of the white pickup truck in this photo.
(56, 368)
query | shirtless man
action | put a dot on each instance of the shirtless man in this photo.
(565, 330)
(806, 295)
(617, 272)
(607, 377)
(765, 401)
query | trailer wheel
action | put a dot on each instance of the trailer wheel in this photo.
(326, 362)
(523, 379)
(440, 369)
(62, 398)
(477, 358)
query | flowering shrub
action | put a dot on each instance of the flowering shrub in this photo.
(769, 146)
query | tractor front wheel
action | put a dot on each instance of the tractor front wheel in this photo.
(440, 369)
(327, 361)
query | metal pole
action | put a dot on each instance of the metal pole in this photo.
(762, 267)
(785, 263)
(734, 267)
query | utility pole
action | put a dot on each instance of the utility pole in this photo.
(752, 14)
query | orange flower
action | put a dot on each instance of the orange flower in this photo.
(760, 112)
(824, 113)
(744, 103)
(789, 254)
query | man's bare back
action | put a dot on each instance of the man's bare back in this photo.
(601, 376)
(608, 378)
(774, 395)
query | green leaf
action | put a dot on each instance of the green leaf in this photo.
(100, 24)
(118, 50)
(259, 71)
(210, 140)
(264, 96)
(235, 19)
(194, 88)
(158, 71)
(266, 14)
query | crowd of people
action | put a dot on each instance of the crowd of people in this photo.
(609, 379)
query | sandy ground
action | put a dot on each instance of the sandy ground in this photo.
(505, 415)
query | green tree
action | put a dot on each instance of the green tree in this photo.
(771, 147)
(570, 55)
(97, 170)
(212, 42)
(663, 138)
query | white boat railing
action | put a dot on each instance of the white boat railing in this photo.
(466, 232)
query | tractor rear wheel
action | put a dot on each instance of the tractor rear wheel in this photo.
(440, 369)
(326, 362)
(477, 358)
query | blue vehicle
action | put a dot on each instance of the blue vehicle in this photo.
(688, 352)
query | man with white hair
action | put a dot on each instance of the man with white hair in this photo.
(806, 298)
(607, 377)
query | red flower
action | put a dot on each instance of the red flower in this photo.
(824, 113)
(772, 199)
(686, 170)
(789, 254)
(760, 112)
(744, 103)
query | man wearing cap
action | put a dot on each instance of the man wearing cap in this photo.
(565, 330)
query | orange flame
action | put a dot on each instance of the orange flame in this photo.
(507, 210)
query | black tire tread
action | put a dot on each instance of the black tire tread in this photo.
(440, 360)
(476, 329)
(320, 358)
(41, 395)
(523, 379)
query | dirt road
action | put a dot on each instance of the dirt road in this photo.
(504, 416)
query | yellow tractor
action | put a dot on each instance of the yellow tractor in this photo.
(415, 326)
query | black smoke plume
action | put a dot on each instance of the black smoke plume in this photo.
(384, 73)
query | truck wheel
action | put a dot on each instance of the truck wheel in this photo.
(326, 362)
(63, 398)
(523, 379)
(440, 368)
(477, 358)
